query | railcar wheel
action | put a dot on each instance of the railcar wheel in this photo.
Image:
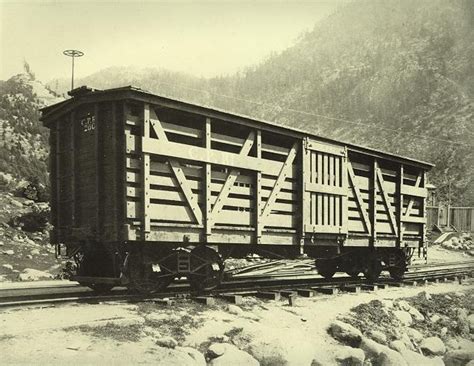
(397, 265)
(373, 270)
(354, 274)
(326, 268)
(397, 273)
(207, 269)
(146, 277)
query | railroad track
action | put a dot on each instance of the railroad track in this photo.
(271, 287)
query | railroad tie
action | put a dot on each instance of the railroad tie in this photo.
(206, 300)
(326, 290)
(269, 295)
(234, 299)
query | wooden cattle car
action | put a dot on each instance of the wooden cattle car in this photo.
(146, 189)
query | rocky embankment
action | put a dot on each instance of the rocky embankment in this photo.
(422, 330)
(25, 251)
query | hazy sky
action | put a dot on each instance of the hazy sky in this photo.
(198, 37)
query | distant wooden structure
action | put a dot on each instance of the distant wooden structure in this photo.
(448, 218)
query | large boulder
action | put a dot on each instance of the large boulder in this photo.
(216, 349)
(168, 342)
(416, 314)
(398, 345)
(234, 309)
(197, 356)
(414, 335)
(378, 336)
(470, 320)
(459, 357)
(345, 333)
(349, 356)
(390, 358)
(415, 359)
(269, 351)
(165, 357)
(403, 305)
(433, 346)
(371, 348)
(404, 317)
(30, 274)
(232, 356)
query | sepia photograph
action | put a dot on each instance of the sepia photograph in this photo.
(237, 182)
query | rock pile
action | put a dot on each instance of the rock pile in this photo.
(463, 242)
(405, 345)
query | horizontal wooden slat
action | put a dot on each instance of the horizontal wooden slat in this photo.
(356, 226)
(277, 220)
(322, 229)
(414, 191)
(234, 218)
(188, 152)
(176, 196)
(322, 188)
(161, 212)
(181, 130)
(413, 219)
(162, 181)
(326, 148)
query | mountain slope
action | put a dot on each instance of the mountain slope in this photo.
(397, 76)
(23, 140)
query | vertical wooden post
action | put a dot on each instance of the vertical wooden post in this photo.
(113, 167)
(207, 180)
(146, 175)
(258, 190)
(305, 196)
(345, 185)
(423, 210)
(400, 206)
(58, 181)
(97, 171)
(73, 169)
(373, 201)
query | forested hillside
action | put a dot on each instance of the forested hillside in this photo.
(23, 140)
(394, 75)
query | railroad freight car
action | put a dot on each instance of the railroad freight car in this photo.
(146, 189)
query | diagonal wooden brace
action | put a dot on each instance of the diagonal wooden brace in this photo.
(393, 222)
(285, 168)
(155, 124)
(358, 198)
(412, 200)
(231, 178)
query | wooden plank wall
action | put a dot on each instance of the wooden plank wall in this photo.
(399, 195)
(86, 174)
(325, 189)
(210, 197)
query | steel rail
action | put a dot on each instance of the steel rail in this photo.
(57, 294)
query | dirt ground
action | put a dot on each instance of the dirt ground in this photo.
(119, 334)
